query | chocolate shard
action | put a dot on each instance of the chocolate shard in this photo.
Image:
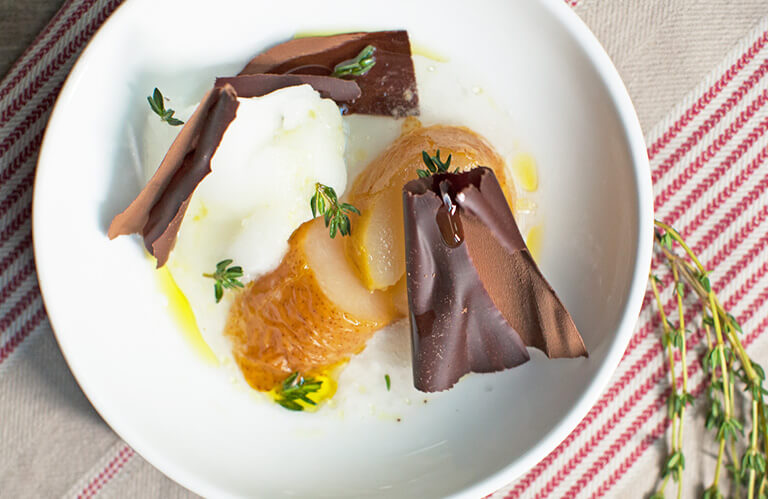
(476, 296)
(158, 210)
(388, 89)
(257, 85)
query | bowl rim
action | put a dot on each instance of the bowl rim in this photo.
(627, 115)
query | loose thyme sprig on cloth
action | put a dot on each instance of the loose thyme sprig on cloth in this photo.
(295, 387)
(335, 214)
(725, 362)
(157, 104)
(226, 278)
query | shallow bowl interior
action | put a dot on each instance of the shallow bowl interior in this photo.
(536, 59)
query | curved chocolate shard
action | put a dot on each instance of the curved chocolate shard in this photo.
(388, 89)
(477, 298)
(257, 85)
(455, 326)
(159, 208)
(519, 289)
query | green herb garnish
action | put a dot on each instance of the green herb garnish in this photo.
(226, 278)
(357, 66)
(388, 381)
(157, 104)
(294, 388)
(434, 164)
(736, 395)
(326, 203)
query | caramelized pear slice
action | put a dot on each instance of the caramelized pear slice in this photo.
(376, 246)
(310, 313)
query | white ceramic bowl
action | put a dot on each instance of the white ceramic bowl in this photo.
(186, 417)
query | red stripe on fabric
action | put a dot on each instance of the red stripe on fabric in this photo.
(18, 250)
(620, 385)
(22, 64)
(47, 102)
(18, 192)
(656, 377)
(630, 374)
(707, 97)
(723, 195)
(35, 115)
(18, 308)
(709, 237)
(708, 124)
(50, 98)
(16, 223)
(109, 471)
(11, 285)
(60, 59)
(641, 335)
(704, 214)
(7, 349)
(707, 154)
(661, 428)
(32, 148)
(43, 50)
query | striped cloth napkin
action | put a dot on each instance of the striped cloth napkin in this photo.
(708, 149)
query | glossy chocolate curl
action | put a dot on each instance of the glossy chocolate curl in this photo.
(388, 89)
(476, 296)
(158, 210)
(341, 91)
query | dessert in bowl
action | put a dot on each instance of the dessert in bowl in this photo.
(238, 425)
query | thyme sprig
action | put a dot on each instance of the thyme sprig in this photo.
(226, 277)
(294, 388)
(725, 363)
(157, 104)
(434, 164)
(335, 214)
(358, 65)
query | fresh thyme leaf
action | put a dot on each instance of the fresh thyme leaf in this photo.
(358, 65)
(335, 215)
(157, 104)
(290, 405)
(758, 370)
(296, 387)
(704, 280)
(388, 381)
(712, 493)
(226, 277)
(735, 323)
(434, 164)
(726, 364)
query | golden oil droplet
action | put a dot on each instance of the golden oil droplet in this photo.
(327, 390)
(424, 51)
(524, 169)
(185, 318)
(533, 241)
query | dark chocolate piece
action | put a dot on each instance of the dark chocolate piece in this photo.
(159, 208)
(388, 89)
(475, 294)
(257, 85)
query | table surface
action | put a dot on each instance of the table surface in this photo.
(665, 51)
